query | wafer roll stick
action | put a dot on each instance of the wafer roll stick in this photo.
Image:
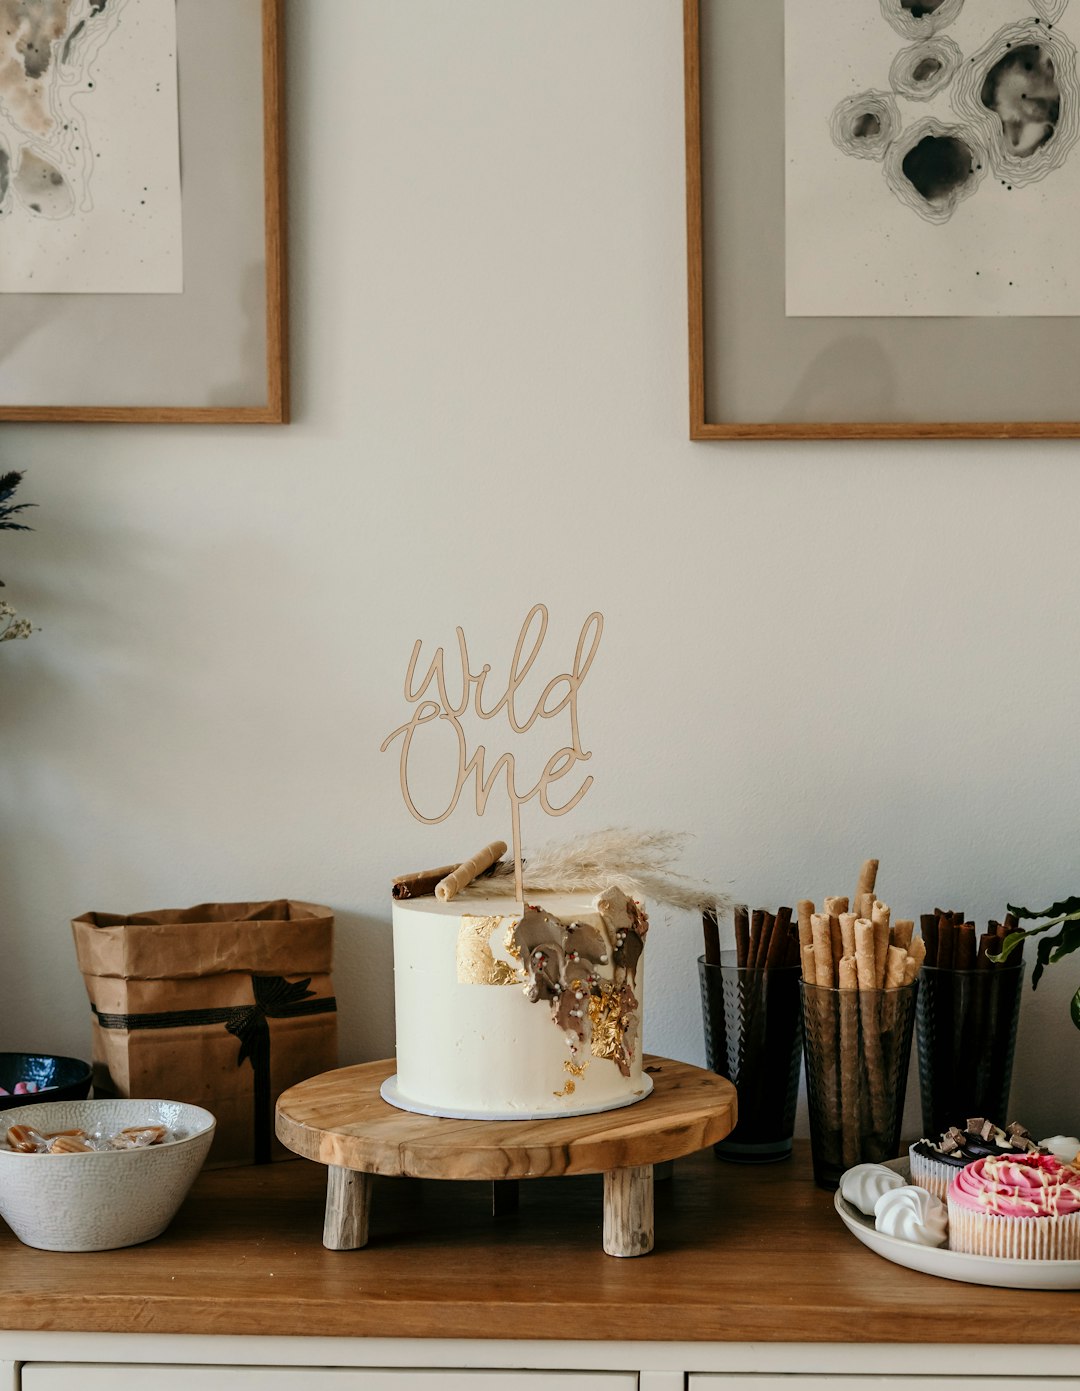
(864, 905)
(964, 948)
(864, 954)
(881, 951)
(848, 1007)
(847, 933)
(918, 951)
(837, 943)
(901, 933)
(870, 1016)
(823, 956)
(809, 970)
(894, 969)
(804, 911)
(867, 881)
(834, 906)
(463, 876)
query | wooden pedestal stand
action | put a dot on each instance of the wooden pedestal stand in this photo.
(339, 1119)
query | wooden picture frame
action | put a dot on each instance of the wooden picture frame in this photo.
(247, 285)
(738, 332)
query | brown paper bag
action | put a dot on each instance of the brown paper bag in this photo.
(225, 1005)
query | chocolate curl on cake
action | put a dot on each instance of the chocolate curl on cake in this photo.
(463, 876)
(420, 884)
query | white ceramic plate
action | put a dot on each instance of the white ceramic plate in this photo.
(957, 1265)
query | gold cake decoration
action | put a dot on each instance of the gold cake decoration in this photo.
(476, 962)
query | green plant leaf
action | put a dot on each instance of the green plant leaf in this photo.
(1074, 1009)
(1013, 940)
(1069, 941)
(1046, 948)
(1067, 908)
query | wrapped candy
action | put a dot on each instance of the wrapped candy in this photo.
(26, 1140)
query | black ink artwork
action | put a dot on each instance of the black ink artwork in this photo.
(46, 47)
(921, 71)
(920, 19)
(1016, 104)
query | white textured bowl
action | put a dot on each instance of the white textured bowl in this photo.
(101, 1200)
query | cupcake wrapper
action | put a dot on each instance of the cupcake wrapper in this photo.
(1016, 1238)
(931, 1174)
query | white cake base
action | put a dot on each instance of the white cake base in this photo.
(472, 1049)
(389, 1092)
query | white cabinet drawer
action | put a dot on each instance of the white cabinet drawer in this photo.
(72, 1376)
(897, 1381)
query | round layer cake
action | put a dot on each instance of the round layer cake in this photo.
(505, 1014)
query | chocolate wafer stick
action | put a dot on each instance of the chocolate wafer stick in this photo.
(929, 924)
(711, 925)
(945, 943)
(778, 942)
(742, 935)
(757, 922)
(419, 884)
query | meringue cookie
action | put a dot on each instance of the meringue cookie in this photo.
(912, 1214)
(864, 1185)
(1063, 1147)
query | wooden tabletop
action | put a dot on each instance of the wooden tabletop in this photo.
(741, 1255)
(340, 1118)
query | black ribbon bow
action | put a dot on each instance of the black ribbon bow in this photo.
(274, 998)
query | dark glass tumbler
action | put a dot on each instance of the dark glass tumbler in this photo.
(753, 1038)
(858, 1047)
(967, 1036)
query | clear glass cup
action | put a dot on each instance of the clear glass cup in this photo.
(858, 1047)
(966, 1028)
(753, 1038)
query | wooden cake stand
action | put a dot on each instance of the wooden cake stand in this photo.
(339, 1119)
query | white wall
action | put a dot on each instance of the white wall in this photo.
(813, 652)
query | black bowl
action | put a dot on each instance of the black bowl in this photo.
(68, 1079)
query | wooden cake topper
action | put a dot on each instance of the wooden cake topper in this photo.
(560, 694)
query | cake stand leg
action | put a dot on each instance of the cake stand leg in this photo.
(348, 1209)
(628, 1211)
(504, 1196)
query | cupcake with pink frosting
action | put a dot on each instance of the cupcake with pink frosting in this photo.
(1025, 1207)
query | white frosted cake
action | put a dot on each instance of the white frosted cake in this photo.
(508, 1015)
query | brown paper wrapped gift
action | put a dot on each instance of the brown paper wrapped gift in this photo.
(224, 1005)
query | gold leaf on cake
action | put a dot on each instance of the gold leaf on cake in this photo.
(608, 1025)
(567, 1089)
(476, 962)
